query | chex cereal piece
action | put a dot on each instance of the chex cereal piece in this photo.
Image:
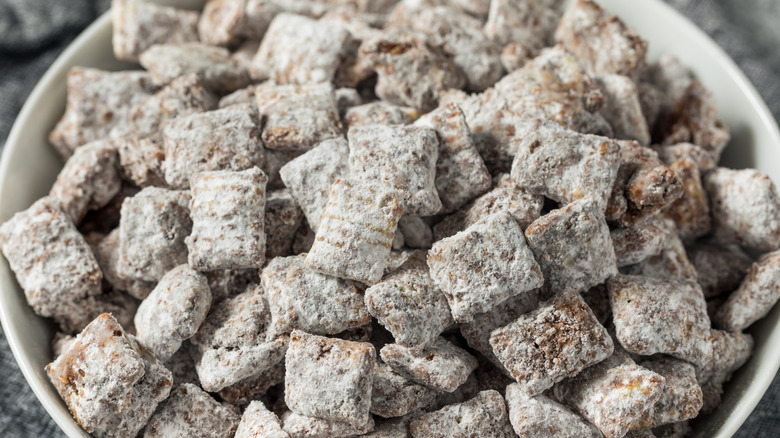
(681, 398)
(671, 263)
(152, 230)
(308, 300)
(110, 383)
(753, 220)
(612, 394)
(601, 42)
(417, 233)
(409, 305)
(671, 77)
(755, 297)
(223, 23)
(729, 352)
(655, 315)
(564, 165)
(173, 311)
(225, 139)
(52, 262)
(642, 240)
(258, 421)
(483, 415)
(551, 343)
(355, 232)
(622, 108)
(720, 268)
(97, 102)
(394, 395)
(227, 211)
(283, 217)
(302, 426)
(573, 246)
(672, 153)
(299, 50)
(695, 119)
(310, 176)
(506, 266)
(529, 23)
(190, 411)
(297, 117)
(141, 160)
(89, 179)
(215, 68)
(401, 157)
(244, 96)
(540, 416)
(73, 316)
(505, 196)
(139, 25)
(379, 113)
(228, 283)
(460, 172)
(410, 71)
(252, 388)
(329, 378)
(441, 366)
(231, 343)
(182, 366)
(691, 211)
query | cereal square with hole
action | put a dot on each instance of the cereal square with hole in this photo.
(442, 366)
(190, 411)
(215, 68)
(483, 415)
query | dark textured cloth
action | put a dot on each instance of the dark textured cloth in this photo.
(34, 32)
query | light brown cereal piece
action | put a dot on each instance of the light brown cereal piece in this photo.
(304, 239)
(89, 179)
(655, 315)
(441, 366)
(73, 316)
(225, 139)
(297, 117)
(173, 311)
(52, 262)
(139, 25)
(258, 421)
(379, 113)
(691, 211)
(98, 101)
(555, 341)
(755, 297)
(529, 23)
(299, 50)
(573, 246)
(302, 426)
(190, 411)
(410, 71)
(227, 211)
(225, 22)
(505, 196)
(329, 378)
(672, 153)
(729, 352)
(542, 417)
(214, 66)
(401, 157)
(141, 160)
(244, 96)
(301, 298)
(483, 415)
(282, 219)
(671, 263)
(152, 230)
(612, 394)
(229, 283)
(720, 268)
(602, 42)
(355, 232)
(231, 343)
(182, 366)
(750, 220)
(622, 108)
(460, 172)
(484, 265)
(642, 240)
(110, 383)
(395, 396)
(681, 399)
(564, 165)
(417, 233)
(310, 176)
(694, 119)
(61, 343)
(253, 387)
(409, 305)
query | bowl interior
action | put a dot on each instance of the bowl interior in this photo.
(29, 166)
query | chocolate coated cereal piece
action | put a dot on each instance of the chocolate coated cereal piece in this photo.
(483, 415)
(141, 160)
(302, 426)
(401, 157)
(555, 341)
(258, 421)
(484, 265)
(672, 153)
(73, 316)
(681, 399)
(355, 232)
(542, 417)
(695, 119)
(329, 378)
(529, 23)
(441, 366)
(642, 240)
(139, 25)
(225, 139)
(622, 108)
(671, 263)
(750, 220)
(227, 211)
(755, 297)
(720, 268)
(225, 22)
(244, 96)
(654, 315)
(304, 299)
(253, 387)
(729, 352)
(274, 161)
(691, 211)
(110, 383)
(152, 230)
(215, 68)
(173, 311)
(190, 411)
(379, 113)
(282, 219)
(395, 396)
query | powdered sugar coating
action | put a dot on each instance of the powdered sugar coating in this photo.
(254, 387)
(441, 366)
(681, 399)
(139, 25)
(190, 411)
(229, 283)
(730, 352)
(642, 240)
(529, 23)
(258, 421)
(686, 151)
(302, 426)
(483, 415)
(182, 366)
(755, 297)
(417, 233)
(379, 113)
(720, 268)
(622, 108)
(542, 417)
(214, 66)
(672, 263)
(73, 316)
(393, 395)
(141, 160)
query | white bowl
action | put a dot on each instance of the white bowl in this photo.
(29, 166)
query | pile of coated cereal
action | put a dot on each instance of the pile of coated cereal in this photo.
(426, 218)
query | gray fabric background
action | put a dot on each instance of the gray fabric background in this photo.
(34, 32)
